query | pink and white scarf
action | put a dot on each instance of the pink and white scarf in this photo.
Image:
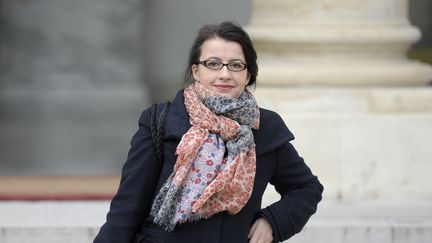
(216, 161)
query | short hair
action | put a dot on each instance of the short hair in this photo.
(229, 31)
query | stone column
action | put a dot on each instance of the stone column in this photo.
(334, 42)
(337, 73)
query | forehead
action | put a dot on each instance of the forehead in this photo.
(221, 49)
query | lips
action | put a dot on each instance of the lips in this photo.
(224, 87)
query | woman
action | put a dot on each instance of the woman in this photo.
(220, 152)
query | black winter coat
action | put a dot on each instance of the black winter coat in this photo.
(277, 162)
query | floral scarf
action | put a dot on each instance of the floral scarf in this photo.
(216, 161)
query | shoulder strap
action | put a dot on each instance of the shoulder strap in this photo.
(157, 123)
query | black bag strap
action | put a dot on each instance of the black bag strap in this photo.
(158, 117)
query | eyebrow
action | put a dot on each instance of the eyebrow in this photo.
(232, 60)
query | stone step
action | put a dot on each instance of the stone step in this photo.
(335, 222)
(371, 222)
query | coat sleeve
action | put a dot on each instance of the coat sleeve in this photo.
(300, 193)
(132, 201)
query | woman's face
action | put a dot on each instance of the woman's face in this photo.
(224, 82)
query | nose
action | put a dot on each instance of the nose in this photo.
(225, 73)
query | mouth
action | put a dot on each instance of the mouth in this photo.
(224, 88)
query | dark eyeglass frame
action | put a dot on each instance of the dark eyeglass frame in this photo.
(204, 63)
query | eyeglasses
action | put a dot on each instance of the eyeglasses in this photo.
(216, 65)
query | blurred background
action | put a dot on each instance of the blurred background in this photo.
(352, 80)
(75, 76)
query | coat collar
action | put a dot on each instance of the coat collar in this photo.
(271, 134)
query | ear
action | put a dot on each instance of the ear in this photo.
(195, 72)
(248, 78)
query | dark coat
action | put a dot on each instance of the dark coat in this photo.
(277, 162)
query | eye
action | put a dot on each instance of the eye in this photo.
(237, 66)
(213, 64)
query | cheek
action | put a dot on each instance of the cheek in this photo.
(243, 80)
(203, 76)
(207, 77)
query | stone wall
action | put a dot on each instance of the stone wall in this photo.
(75, 76)
(71, 88)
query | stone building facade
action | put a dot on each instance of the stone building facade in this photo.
(76, 74)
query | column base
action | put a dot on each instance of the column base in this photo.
(363, 143)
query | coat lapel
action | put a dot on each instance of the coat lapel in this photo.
(272, 132)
